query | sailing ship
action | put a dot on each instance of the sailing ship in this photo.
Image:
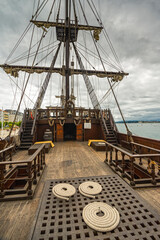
(136, 159)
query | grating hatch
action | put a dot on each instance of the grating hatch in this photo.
(61, 220)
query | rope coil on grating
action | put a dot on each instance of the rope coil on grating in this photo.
(89, 189)
(101, 216)
(63, 191)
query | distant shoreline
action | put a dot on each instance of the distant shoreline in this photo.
(139, 122)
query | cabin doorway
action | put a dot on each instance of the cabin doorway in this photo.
(69, 131)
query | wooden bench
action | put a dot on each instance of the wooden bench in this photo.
(34, 148)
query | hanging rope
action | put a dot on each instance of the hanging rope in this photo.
(128, 132)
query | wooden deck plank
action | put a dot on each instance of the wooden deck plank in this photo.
(66, 160)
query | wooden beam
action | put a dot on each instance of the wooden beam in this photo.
(44, 24)
(14, 69)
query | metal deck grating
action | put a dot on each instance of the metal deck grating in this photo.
(61, 220)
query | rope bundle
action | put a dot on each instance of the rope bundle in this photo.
(63, 191)
(89, 189)
(100, 216)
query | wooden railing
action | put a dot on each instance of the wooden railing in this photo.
(6, 154)
(113, 124)
(33, 168)
(58, 113)
(127, 163)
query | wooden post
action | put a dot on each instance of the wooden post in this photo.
(35, 172)
(116, 159)
(4, 159)
(110, 159)
(30, 191)
(38, 169)
(153, 173)
(106, 160)
(2, 194)
(10, 165)
(123, 165)
(41, 160)
(159, 167)
(132, 182)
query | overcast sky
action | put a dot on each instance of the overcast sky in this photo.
(134, 28)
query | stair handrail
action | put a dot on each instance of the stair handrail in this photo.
(103, 121)
(34, 121)
(111, 119)
(22, 123)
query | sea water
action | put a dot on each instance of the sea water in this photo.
(148, 130)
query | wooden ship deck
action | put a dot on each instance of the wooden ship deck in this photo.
(66, 160)
(70, 126)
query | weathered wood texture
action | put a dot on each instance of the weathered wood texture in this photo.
(141, 140)
(41, 128)
(59, 133)
(79, 132)
(94, 133)
(66, 160)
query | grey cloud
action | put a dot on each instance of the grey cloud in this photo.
(133, 27)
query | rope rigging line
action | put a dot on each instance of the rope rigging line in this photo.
(45, 57)
(33, 53)
(97, 57)
(86, 59)
(19, 87)
(75, 14)
(107, 55)
(14, 94)
(26, 83)
(24, 33)
(28, 57)
(114, 85)
(128, 132)
(106, 35)
(58, 10)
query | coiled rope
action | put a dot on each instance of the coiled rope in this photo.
(63, 191)
(89, 189)
(101, 216)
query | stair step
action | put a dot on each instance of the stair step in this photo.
(26, 141)
(27, 137)
(27, 134)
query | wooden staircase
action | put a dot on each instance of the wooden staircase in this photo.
(111, 136)
(109, 127)
(26, 137)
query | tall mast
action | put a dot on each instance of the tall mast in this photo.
(67, 22)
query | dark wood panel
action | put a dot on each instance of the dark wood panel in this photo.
(41, 129)
(94, 133)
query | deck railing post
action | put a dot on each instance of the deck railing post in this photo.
(35, 172)
(43, 150)
(153, 173)
(116, 159)
(41, 153)
(10, 166)
(159, 166)
(132, 182)
(110, 159)
(2, 194)
(123, 165)
(106, 160)
(38, 169)
(30, 191)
